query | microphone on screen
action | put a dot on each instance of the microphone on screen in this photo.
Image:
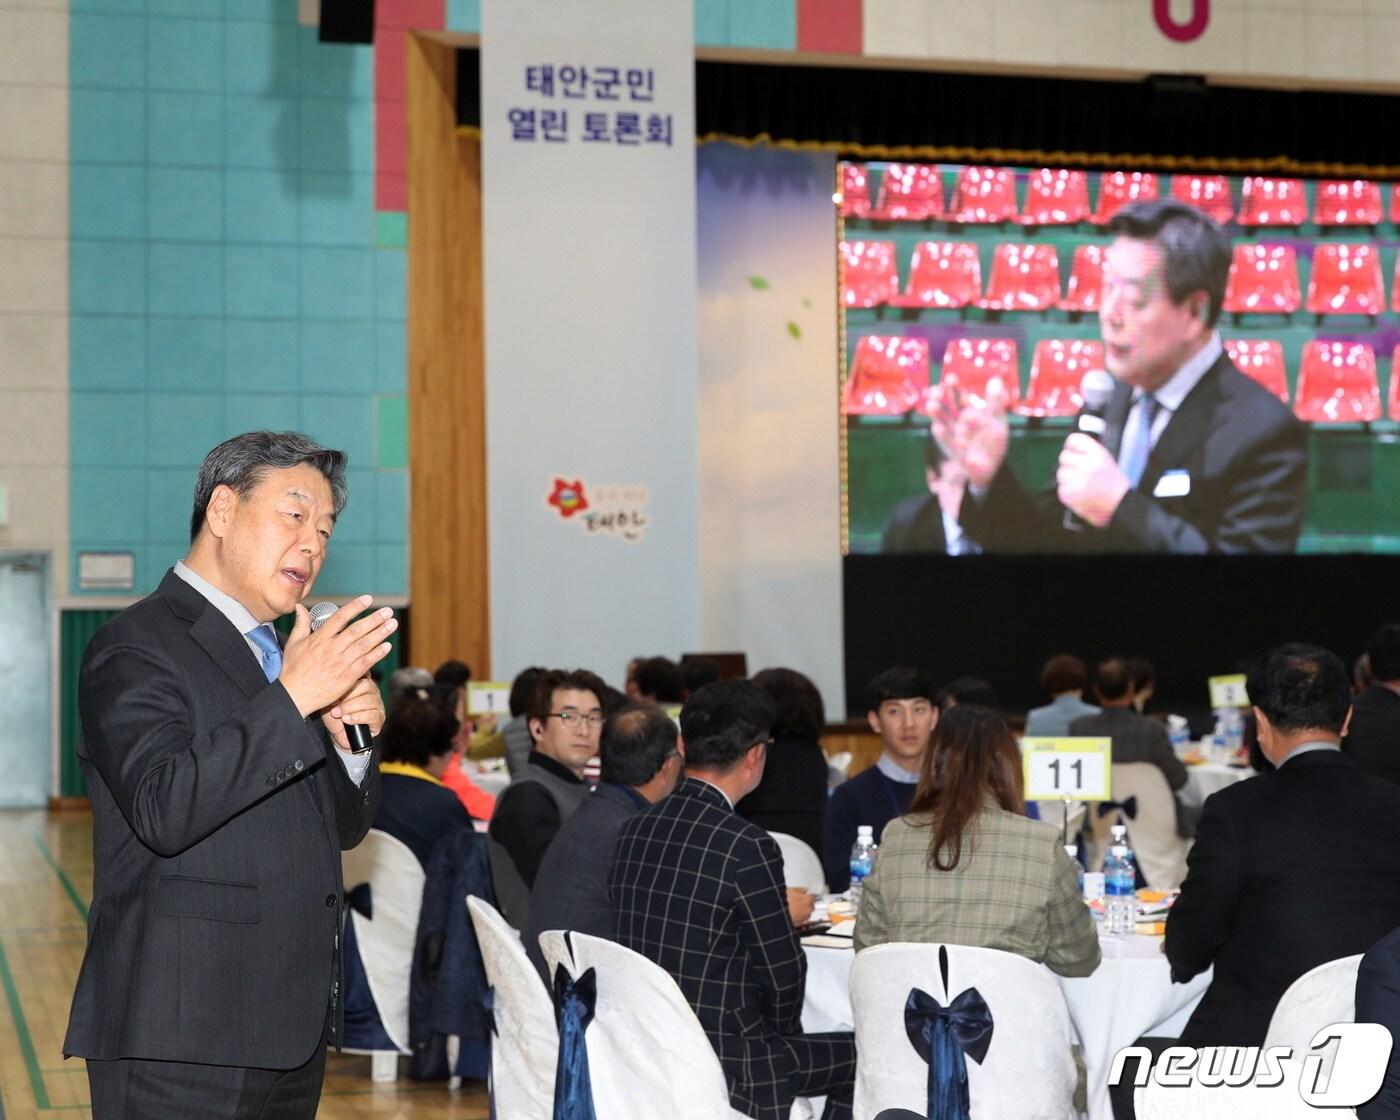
(356, 733)
(1096, 389)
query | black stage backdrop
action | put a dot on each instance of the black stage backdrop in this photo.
(1193, 617)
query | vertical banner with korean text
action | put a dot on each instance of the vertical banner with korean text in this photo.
(588, 149)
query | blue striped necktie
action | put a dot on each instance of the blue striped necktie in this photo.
(265, 638)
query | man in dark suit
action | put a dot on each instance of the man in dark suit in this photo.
(1378, 1001)
(641, 765)
(928, 522)
(1190, 455)
(1373, 740)
(223, 791)
(700, 891)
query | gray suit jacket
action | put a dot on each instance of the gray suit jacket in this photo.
(219, 817)
(571, 889)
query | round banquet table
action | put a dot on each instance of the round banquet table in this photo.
(1206, 778)
(1129, 995)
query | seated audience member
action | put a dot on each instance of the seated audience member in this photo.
(474, 799)
(1378, 1001)
(698, 671)
(1373, 739)
(966, 690)
(516, 732)
(1064, 677)
(966, 866)
(566, 715)
(1144, 682)
(792, 796)
(1361, 678)
(928, 522)
(416, 748)
(403, 681)
(657, 680)
(641, 765)
(1135, 738)
(700, 891)
(453, 674)
(900, 708)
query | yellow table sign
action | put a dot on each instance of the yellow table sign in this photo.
(1079, 768)
(487, 698)
(1228, 692)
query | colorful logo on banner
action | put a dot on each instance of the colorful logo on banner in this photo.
(607, 511)
(1173, 28)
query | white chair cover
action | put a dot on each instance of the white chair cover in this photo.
(1320, 997)
(526, 1047)
(801, 867)
(1029, 1069)
(1160, 852)
(386, 941)
(648, 1056)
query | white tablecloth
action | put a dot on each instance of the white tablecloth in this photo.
(1210, 777)
(1129, 995)
(490, 781)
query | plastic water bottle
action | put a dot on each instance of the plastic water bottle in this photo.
(862, 860)
(1120, 876)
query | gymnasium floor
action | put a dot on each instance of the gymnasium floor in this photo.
(45, 884)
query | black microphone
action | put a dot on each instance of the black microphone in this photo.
(356, 733)
(1096, 389)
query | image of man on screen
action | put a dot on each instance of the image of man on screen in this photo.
(1192, 456)
(928, 522)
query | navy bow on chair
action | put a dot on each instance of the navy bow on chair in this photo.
(574, 1003)
(1128, 808)
(942, 1035)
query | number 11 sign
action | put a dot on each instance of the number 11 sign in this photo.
(1074, 768)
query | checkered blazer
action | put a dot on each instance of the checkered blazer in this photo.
(700, 891)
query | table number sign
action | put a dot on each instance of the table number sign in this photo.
(1228, 692)
(488, 698)
(1076, 768)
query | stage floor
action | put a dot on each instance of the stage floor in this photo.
(45, 885)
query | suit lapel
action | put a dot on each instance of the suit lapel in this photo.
(1188, 426)
(215, 634)
(1116, 416)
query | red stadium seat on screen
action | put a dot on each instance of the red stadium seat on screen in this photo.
(1118, 188)
(1337, 384)
(1395, 384)
(1348, 202)
(984, 196)
(910, 192)
(855, 191)
(1057, 368)
(1025, 277)
(1272, 202)
(1056, 197)
(888, 376)
(942, 274)
(1263, 278)
(972, 362)
(868, 276)
(1346, 280)
(1395, 287)
(1085, 280)
(1395, 203)
(1261, 360)
(1208, 193)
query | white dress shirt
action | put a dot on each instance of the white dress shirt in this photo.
(356, 765)
(1171, 395)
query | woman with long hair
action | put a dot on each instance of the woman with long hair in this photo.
(966, 866)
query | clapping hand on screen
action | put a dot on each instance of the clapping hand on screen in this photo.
(973, 431)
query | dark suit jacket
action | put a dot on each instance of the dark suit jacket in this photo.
(571, 887)
(1246, 455)
(215, 922)
(1373, 740)
(1289, 870)
(792, 796)
(1378, 1001)
(1135, 739)
(915, 525)
(700, 891)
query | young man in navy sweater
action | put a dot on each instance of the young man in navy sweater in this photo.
(901, 710)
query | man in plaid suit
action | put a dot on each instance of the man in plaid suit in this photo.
(700, 891)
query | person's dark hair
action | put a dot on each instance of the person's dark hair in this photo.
(454, 674)
(243, 461)
(407, 679)
(722, 721)
(967, 690)
(419, 729)
(614, 700)
(1195, 250)
(697, 672)
(1064, 673)
(659, 679)
(897, 683)
(972, 753)
(796, 702)
(553, 680)
(1141, 672)
(636, 740)
(1383, 651)
(1112, 678)
(1301, 687)
(522, 688)
(1361, 676)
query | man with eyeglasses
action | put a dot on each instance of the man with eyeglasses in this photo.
(565, 717)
